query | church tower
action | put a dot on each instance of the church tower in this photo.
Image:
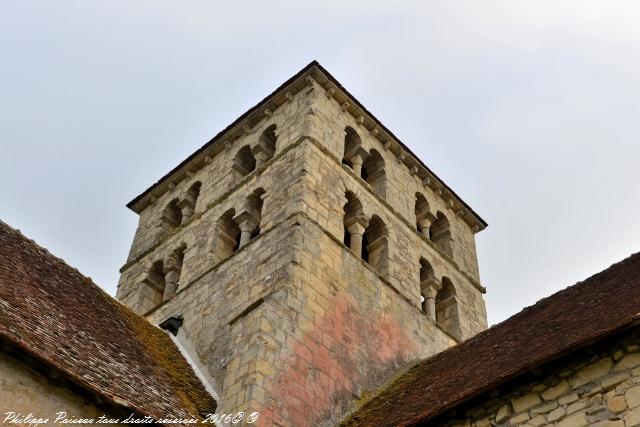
(305, 254)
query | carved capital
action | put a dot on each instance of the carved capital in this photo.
(430, 287)
(247, 222)
(356, 224)
(330, 92)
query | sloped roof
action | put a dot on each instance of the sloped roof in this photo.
(600, 306)
(64, 320)
(318, 71)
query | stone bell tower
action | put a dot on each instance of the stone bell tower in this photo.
(308, 253)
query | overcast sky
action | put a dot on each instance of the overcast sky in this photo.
(529, 110)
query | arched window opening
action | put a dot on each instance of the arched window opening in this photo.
(249, 220)
(244, 162)
(374, 173)
(429, 287)
(354, 223)
(173, 270)
(188, 204)
(423, 216)
(153, 286)
(440, 234)
(447, 314)
(352, 156)
(171, 216)
(227, 237)
(266, 147)
(375, 245)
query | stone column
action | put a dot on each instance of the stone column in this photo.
(186, 207)
(261, 154)
(171, 284)
(356, 232)
(261, 157)
(247, 224)
(424, 225)
(430, 288)
(356, 163)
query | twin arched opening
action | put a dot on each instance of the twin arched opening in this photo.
(247, 159)
(162, 280)
(369, 166)
(438, 299)
(179, 210)
(232, 231)
(368, 238)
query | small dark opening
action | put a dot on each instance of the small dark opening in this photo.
(347, 238)
(172, 324)
(364, 174)
(365, 246)
(255, 233)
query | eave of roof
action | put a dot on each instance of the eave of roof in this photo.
(552, 328)
(61, 318)
(136, 206)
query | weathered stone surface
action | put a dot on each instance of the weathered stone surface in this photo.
(592, 372)
(632, 417)
(554, 392)
(557, 414)
(27, 392)
(632, 396)
(629, 361)
(611, 382)
(616, 404)
(503, 413)
(576, 420)
(526, 402)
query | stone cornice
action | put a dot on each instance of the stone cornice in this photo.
(285, 93)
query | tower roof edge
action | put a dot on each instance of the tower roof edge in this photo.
(324, 77)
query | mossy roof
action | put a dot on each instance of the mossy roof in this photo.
(61, 318)
(566, 322)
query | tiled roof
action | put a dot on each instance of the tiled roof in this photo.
(600, 306)
(64, 320)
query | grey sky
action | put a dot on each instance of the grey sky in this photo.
(529, 110)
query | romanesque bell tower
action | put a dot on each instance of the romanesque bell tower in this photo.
(306, 254)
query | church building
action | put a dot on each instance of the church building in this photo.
(306, 266)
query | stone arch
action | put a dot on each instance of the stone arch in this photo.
(429, 287)
(173, 271)
(440, 234)
(423, 216)
(447, 314)
(193, 192)
(244, 162)
(375, 245)
(153, 286)
(171, 216)
(373, 171)
(188, 204)
(354, 223)
(227, 236)
(266, 147)
(352, 143)
(249, 220)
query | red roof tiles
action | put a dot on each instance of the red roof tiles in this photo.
(600, 306)
(63, 319)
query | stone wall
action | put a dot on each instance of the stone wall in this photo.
(295, 324)
(598, 386)
(24, 390)
(296, 327)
